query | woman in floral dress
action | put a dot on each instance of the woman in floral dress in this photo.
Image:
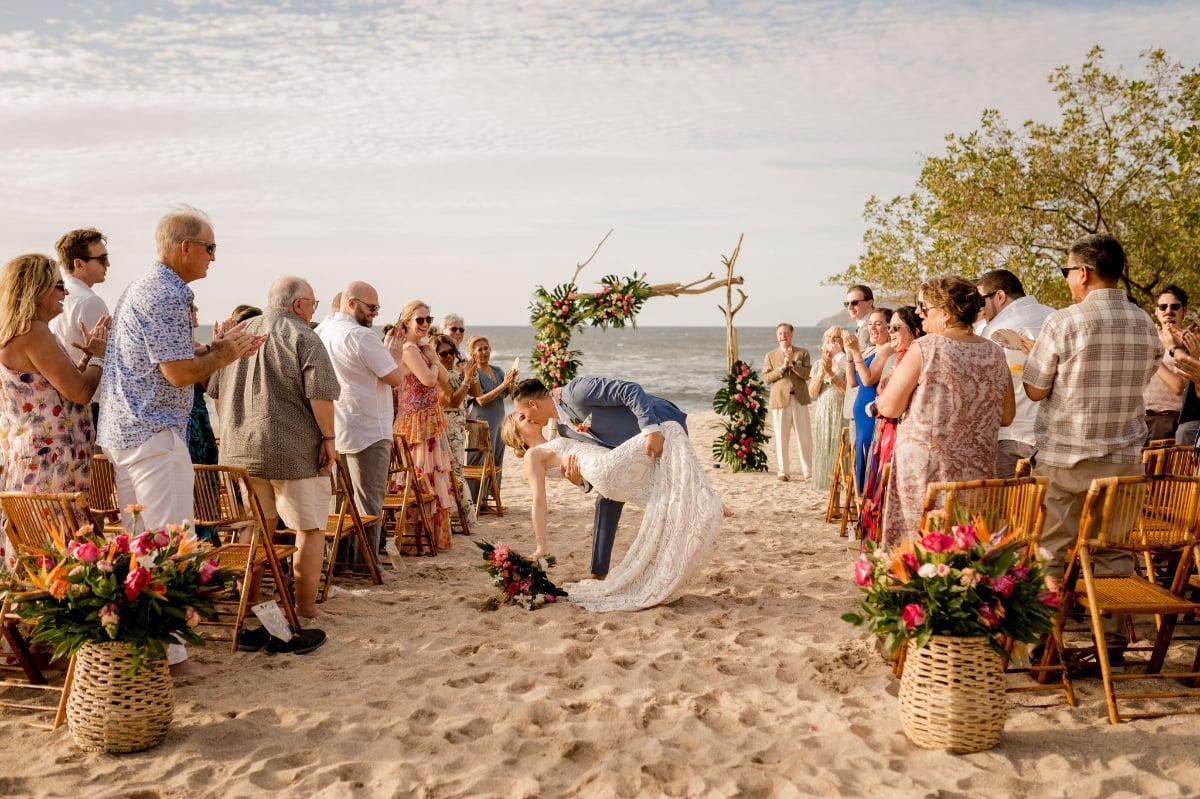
(458, 379)
(420, 420)
(45, 415)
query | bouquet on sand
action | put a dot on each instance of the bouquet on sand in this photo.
(521, 580)
(965, 582)
(146, 589)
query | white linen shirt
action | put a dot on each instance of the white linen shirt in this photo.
(363, 414)
(82, 305)
(1026, 316)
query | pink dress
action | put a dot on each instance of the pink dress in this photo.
(950, 429)
(45, 441)
(419, 419)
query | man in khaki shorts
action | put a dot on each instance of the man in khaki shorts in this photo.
(276, 412)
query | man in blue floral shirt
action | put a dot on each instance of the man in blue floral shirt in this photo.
(150, 367)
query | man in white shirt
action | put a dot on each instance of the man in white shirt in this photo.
(860, 304)
(83, 258)
(367, 370)
(1005, 307)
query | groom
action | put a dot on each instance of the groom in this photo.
(598, 410)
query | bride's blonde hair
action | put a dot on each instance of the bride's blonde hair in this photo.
(510, 435)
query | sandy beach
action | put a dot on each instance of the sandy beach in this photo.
(748, 686)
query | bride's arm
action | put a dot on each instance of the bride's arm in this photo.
(535, 470)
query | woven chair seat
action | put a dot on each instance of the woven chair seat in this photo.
(1134, 595)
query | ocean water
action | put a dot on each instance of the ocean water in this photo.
(683, 364)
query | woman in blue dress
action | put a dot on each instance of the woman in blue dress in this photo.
(863, 369)
(487, 394)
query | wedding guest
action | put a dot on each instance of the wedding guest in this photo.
(1006, 307)
(1163, 395)
(454, 327)
(202, 443)
(459, 378)
(863, 370)
(419, 418)
(47, 440)
(367, 370)
(860, 304)
(954, 389)
(786, 370)
(146, 391)
(827, 389)
(83, 258)
(487, 403)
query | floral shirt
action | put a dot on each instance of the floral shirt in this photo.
(152, 324)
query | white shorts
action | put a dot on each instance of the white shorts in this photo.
(302, 504)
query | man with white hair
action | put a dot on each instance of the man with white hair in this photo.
(152, 363)
(454, 327)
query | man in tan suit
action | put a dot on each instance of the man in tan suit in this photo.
(786, 370)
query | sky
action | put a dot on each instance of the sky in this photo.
(465, 152)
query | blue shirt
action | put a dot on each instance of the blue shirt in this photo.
(152, 324)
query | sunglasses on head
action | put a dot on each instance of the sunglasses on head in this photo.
(1174, 306)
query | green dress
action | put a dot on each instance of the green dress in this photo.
(827, 424)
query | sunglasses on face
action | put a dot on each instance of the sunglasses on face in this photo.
(446, 353)
(101, 258)
(60, 286)
(210, 246)
(896, 328)
(369, 306)
(457, 329)
(423, 320)
(1174, 306)
(851, 303)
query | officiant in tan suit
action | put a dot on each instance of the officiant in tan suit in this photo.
(786, 370)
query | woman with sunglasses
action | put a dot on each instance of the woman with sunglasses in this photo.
(955, 391)
(419, 417)
(459, 379)
(44, 401)
(864, 367)
(903, 329)
(490, 388)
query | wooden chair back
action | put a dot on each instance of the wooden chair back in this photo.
(102, 491)
(413, 512)
(1182, 460)
(481, 466)
(1014, 504)
(32, 520)
(345, 522)
(844, 502)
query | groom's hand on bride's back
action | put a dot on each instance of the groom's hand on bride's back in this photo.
(570, 469)
(654, 444)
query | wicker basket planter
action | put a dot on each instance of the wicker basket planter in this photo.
(952, 695)
(109, 712)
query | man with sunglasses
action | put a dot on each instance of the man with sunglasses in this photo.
(83, 258)
(1089, 367)
(1164, 396)
(860, 304)
(454, 327)
(1006, 307)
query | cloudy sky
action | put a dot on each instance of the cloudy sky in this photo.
(464, 152)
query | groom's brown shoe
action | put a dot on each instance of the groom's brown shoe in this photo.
(597, 576)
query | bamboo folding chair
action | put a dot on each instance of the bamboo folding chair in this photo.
(410, 510)
(30, 521)
(1138, 515)
(479, 443)
(345, 523)
(1182, 460)
(224, 499)
(102, 493)
(844, 501)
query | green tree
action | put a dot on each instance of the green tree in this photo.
(1123, 159)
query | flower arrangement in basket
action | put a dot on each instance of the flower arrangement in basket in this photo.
(521, 580)
(146, 589)
(962, 583)
(743, 400)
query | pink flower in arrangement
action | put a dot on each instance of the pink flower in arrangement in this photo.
(110, 619)
(142, 545)
(105, 566)
(44, 562)
(550, 597)
(135, 581)
(943, 569)
(501, 553)
(207, 569)
(1050, 598)
(1020, 572)
(910, 561)
(87, 552)
(135, 508)
(192, 617)
(863, 570)
(913, 615)
(121, 542)
(964, 537)
(161, 538)
(937, 542)
(1003, 585)
(988, 615)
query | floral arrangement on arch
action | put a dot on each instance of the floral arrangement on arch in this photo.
(743, 401)
(965, 582)
(555, 313)
(146, 589)
(520, 580)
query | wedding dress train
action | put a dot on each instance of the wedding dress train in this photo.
(681, 517)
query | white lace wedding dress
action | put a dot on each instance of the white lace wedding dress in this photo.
(681, 517)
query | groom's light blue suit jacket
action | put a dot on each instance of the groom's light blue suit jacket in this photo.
(619, 409)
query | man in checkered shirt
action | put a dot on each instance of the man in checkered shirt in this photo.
(1089, 366)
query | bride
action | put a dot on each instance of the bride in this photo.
(681, 511)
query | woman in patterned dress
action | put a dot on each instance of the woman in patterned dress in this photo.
(954, 390)
(827, 389)
(458, 380)
(45, 415)
(419, 417)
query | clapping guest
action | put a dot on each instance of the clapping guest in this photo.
(827, 388)
(955, 390)
(864, 368)
(419, 418)
(487, 402)
(459, 378)
(44, 413)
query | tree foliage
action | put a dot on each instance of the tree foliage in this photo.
(1124, 159)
